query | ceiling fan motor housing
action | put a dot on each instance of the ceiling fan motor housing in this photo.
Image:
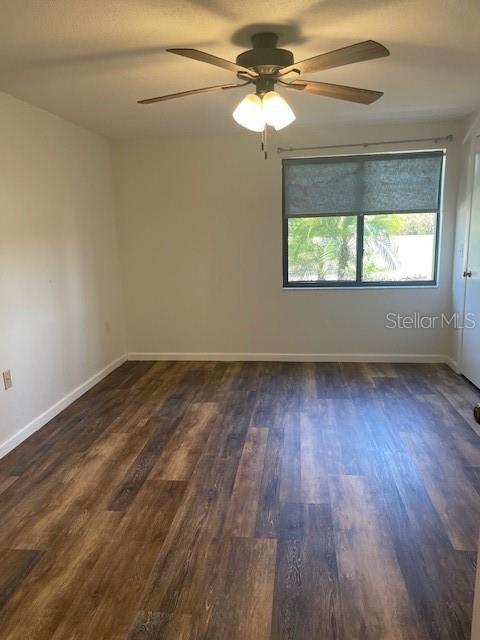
(265, 58)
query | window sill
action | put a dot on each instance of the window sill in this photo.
(404, 287)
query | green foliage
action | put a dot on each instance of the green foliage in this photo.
(324, 248)
(417, 224)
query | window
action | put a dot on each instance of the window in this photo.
(366, 220)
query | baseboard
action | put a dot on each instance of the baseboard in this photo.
(55, 409)
(296, 357)
(453, 364)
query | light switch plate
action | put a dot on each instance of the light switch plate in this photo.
(7, 379)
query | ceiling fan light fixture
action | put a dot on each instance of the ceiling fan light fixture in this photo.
(276, 111)
(249, 113)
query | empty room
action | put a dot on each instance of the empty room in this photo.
(240, 320)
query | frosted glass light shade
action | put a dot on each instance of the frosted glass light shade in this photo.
(276, 111)
(249, 113)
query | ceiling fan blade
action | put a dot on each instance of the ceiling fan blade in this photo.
(298, 85)
(201, 56)
(338, 91)
(191, 92)
(368, 50)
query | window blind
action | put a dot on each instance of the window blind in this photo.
(369, 184)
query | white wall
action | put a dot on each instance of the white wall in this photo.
(200, 232)
(61, 306)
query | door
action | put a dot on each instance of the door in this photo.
(471, 336)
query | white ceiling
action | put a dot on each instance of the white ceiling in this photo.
(90, 60)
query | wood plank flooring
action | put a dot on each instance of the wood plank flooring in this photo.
(246, 501)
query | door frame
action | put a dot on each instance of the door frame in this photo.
(474, 148)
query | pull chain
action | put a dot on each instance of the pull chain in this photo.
(263, 144)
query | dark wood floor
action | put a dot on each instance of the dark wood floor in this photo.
(246, 501)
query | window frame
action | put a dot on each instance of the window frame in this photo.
(358, 283)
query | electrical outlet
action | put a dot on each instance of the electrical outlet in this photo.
(7, 379)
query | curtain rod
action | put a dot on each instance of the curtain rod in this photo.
(448, 138)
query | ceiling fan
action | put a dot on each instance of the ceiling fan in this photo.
(265, 65)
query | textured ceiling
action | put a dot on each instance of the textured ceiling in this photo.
(90, 60)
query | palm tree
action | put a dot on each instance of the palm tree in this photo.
(378, 248)
(325, 248)
(322, 248)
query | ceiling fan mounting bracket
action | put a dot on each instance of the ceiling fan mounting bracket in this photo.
(264, 40)
(265, 58)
